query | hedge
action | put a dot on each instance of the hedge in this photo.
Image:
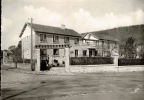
(90, 60)
(126, 61)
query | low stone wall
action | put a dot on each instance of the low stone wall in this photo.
(10, 64)
(25, 66)
(81, 69)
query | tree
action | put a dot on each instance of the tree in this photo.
(130, 48)
(16, 53)
(122, 50)
(141, 50)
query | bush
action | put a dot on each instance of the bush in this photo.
(90, 60)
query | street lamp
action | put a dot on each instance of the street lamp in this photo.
(32, 65)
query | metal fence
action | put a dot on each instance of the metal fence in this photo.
(90, 60)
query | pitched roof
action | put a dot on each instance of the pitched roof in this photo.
(100, 35)
(51, 30)
(83, 34)
(104, 35)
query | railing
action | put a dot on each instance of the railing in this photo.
(90, 60)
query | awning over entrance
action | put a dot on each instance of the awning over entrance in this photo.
(51, 46)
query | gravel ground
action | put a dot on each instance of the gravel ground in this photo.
(17, 85)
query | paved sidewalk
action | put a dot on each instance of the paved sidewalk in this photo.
(93, 86)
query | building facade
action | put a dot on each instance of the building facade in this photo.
(7, 57)
(52, 41)
(99, 45)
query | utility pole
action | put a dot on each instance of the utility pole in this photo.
(32, 65)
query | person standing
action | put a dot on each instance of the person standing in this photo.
(47, 62)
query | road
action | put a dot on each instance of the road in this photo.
(97, 86)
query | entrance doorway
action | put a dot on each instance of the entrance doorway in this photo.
(43, 57)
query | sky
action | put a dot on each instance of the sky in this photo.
(80, 15)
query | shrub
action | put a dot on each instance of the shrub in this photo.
(126, 61)
(90, 60)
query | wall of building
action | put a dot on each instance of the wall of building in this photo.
(103, 48)
(26, 43)
(49, 39)
(59, 57)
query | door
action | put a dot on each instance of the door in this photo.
(43, 56)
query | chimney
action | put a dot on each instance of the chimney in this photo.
(63, 26)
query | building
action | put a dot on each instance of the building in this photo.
(7, 57)
(100, 44)
(51, 42)
(122, 34)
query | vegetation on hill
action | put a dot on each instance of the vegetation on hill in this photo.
(130, 39)
(123, 33)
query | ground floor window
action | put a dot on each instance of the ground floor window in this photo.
(92, 52)
(43, 54)
(42, 37)
(84, 52)
(43, 51)
(55, 51)
(76, 53)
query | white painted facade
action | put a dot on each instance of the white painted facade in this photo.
(26, 43)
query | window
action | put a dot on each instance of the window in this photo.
(43, 37)
(76, 53)
(66, 39)
(76, 41)
(55, 51)
(115, 43)
(97, 43)
(84, 41)
(43, 54)
(55, 38)
(84, 52)
(108, 44)
(102, 43)
(43, 51)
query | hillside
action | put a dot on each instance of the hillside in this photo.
(122, 33)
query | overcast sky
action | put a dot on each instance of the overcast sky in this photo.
(80, 15)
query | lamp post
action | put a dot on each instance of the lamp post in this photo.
(32, 65)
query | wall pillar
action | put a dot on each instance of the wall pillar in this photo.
(115, 56)
(115, 59)
(67, 59)
(38, 60)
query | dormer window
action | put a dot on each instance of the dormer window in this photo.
(42, 37)
(55, 39)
